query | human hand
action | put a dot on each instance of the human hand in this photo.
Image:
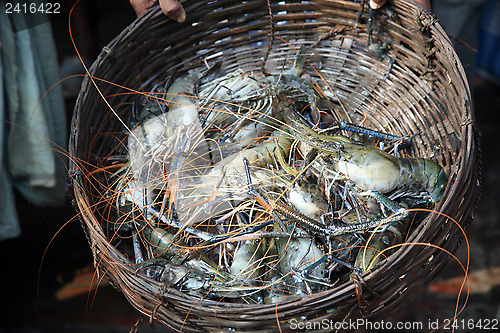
(171, 8)
(376, 4)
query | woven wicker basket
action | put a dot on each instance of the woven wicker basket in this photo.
(409, 81)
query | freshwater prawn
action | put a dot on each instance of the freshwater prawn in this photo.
(371, 168)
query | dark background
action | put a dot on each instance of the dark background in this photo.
(34, 269)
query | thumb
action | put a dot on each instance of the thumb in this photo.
(173, 9)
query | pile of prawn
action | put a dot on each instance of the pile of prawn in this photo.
(237, 188)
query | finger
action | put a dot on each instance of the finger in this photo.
(376, 4)
(173, 9)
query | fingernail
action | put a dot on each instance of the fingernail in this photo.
(375, 5)
(182, 16)
(177, 14)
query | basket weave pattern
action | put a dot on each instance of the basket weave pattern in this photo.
(409, 81)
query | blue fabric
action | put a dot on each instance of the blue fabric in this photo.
(33, 125)
(9, 226)
(488, 58)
